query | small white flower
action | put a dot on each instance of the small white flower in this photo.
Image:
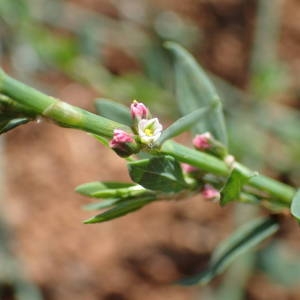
(149, 130)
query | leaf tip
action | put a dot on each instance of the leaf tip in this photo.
(90, 221)
(168, 44)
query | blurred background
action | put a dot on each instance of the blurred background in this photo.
(78, 50)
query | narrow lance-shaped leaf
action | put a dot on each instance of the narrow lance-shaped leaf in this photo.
(121, 209)
(99, 189)
(13, 124)
(243, 239)
(183, 124)
(162, 173)
(295, 206)
(281, 263)
(234, 185)
(114, 111)
(101, 204)
(104, 141)
(92, 188)
(194, 90)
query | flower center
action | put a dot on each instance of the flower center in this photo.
(148, 131)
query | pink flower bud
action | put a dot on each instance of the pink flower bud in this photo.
(210, 193)
(202, 141)
(139, 110)
(120, 137)
(188, 168)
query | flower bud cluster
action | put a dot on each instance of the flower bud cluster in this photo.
(148, 129)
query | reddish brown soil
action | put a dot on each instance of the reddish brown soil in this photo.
(136, 256)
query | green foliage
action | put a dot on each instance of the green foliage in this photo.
(269, 80)
(183, 124)
(194, 90)
(101, 204)
(111, 190)
(281, 263)
(122, 197)
(233, 186)
(295, 206)
(56, 49)
(203, 161)
(99, 189)
(136, 86)
(121, 209)
(242, 240)
(161, 173)
(11, 124)
(13, 114)
(14, 12)
(114, 111)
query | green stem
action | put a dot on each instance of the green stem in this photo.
(279, 190)
(195, 158)
(60, 112)
(211, 164)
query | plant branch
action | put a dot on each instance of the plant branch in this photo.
(67, 115)
(282, 192)
(60, 112)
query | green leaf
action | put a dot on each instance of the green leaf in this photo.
(112, 190)
(101, 204)
(13, 124)
(242, 240)
(161, 173)
(92, 188)
(104, 141)
(182, 124)
(121, 209)
(295, 206)
(281, 263)
(113, 111)
(234, 185)
(194, 90)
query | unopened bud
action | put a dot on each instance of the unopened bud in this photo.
(188, 168)
(202, 141)
(210, 193)
(139, 110)
(205, 142)
(123, 143)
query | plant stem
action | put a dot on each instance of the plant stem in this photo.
(195, 158)
(209, 163)
(60, 112)
(67, 115)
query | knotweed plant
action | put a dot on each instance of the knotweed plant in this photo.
(159, 167)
